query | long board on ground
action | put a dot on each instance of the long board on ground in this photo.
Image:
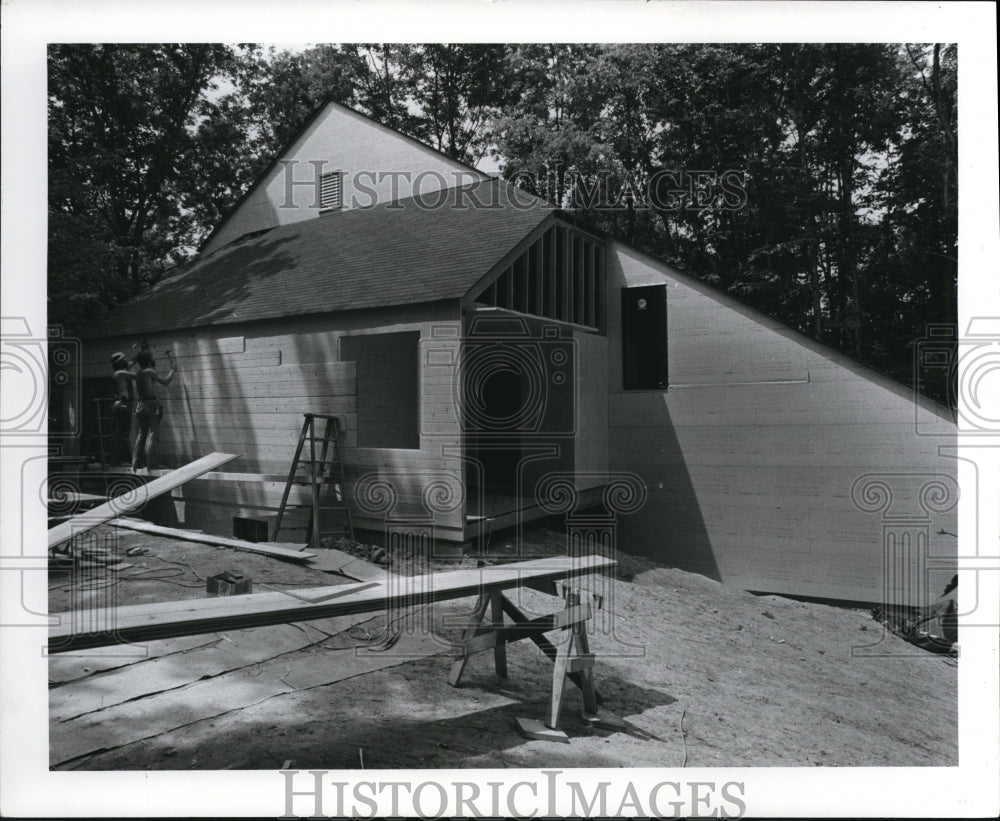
(148, 622)
(263, 548)
(136, 498)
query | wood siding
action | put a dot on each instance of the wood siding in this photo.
(591, 440)
(246, 392)
(755, 455)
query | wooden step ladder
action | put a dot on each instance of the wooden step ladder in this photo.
(325, 473)
(104, 417)
(105, 437)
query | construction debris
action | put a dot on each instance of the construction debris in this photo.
(228, 583)
(934, 627)
(267, 549)
(136, 498)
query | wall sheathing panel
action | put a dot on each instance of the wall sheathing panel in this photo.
(246, 393)
(765, 458)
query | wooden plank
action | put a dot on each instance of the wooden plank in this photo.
(133, 500)
(147, 622)
(261, 366)
(760, 405)
(180, 347)
(203, 422)
(215, 541)
(890, 446)
(731, 377)
(238, 649)
(249, 438)
(256, 376)
(539, 283)
(330, 403)
(566, 277)
(579, 282)
(335, 593)
(241, 391)
(523, 630)
(195, 365)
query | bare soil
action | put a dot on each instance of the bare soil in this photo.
(702, 674)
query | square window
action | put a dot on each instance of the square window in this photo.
(388, 388)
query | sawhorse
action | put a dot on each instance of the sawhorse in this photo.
(570, 654)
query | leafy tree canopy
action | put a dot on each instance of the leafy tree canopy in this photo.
(815, 182)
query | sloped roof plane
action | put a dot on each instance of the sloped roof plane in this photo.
(425, 248)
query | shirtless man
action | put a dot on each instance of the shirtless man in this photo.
(121, 411)
(148, 410)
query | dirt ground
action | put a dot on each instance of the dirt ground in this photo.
(702, 674)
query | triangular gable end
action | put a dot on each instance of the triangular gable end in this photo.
(340, 160)
(556, 272)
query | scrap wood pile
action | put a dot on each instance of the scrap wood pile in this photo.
(92, 551)
(397, 558)
(934, 627)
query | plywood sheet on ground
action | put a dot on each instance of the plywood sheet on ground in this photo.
(161, 712)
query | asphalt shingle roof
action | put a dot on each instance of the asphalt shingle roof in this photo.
(436, 246)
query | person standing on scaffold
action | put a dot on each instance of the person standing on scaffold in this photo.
(148, 410)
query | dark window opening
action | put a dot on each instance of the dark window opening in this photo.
(644, 337)
(388, 388)
(249, 530)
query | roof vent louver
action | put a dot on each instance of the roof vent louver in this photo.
(330, 191)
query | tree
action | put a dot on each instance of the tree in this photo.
(122, 138)
(457, 88)
(917, 250)
(846, 155)
(545, 132)
(844, 223)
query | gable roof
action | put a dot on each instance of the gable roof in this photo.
(426, 248)
(285, 149)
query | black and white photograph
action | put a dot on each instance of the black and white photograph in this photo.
(463, 414)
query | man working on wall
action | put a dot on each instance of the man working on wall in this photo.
(121, 409)
(148, 410)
